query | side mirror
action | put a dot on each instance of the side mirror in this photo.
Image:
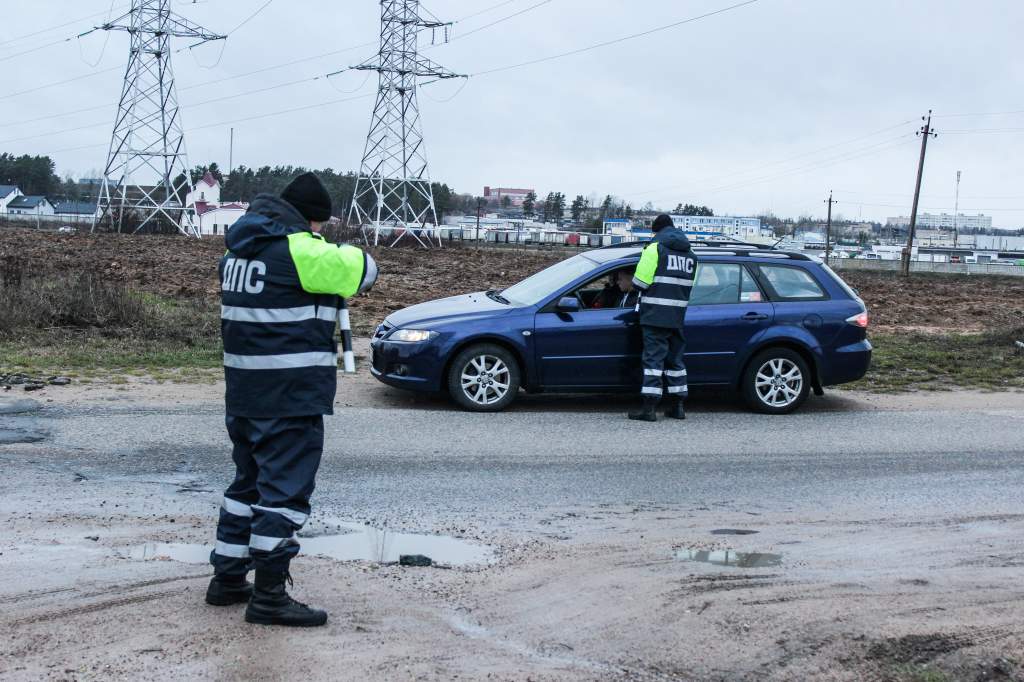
(568, 304)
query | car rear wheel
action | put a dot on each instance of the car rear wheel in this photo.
(484, 378)
(777, 381)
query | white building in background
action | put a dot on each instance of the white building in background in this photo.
(215, 220)
(730, 226)
(984, 242)
(8, 193)
(213, 217)
(30, 206)
(207, 191)
(944, 221)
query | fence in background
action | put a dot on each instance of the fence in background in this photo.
(925, 266)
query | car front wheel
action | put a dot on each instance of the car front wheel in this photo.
(777, 381)
(484, 378)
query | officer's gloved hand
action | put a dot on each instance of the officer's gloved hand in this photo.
(370, 277)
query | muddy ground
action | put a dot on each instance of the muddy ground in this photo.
(184, 268)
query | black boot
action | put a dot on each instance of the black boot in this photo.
(225, 590)
(271, 605)
(675, 410)
(648, 412)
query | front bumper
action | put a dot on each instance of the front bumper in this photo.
(411, 366)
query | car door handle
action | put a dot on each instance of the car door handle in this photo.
(752, 317)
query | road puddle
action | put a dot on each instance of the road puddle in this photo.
(727, 557)
(16, 436)
(366, 543)
(169, 551)
(360, 543)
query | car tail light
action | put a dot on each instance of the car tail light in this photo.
(860, 320)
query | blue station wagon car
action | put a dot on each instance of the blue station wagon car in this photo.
(773, 325)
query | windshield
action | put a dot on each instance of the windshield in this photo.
(536, 287)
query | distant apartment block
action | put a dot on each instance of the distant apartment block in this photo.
(944, 221)
(494, 195)
(726, 225)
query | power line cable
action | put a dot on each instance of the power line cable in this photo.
(495, 22)
(981, 113)
(486, 10)
(971, 131)
(249, 73)
(106, 41)
(788, 159)
(251, 17)
(53, 28)
(255, 72)
(44, 46)
(196, 104)
(852, 155)
(615, 41)
(60, 82)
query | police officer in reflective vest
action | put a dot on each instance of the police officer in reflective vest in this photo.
(281, 286)
(665, 276)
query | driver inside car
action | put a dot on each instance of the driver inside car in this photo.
(619, 292)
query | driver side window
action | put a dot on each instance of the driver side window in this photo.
(603, 293)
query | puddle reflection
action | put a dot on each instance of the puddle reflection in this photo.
(728, 557)
(358, 543)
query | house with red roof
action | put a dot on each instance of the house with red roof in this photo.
(214, 217)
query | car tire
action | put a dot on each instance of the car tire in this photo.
(484, 378)
(776, 381)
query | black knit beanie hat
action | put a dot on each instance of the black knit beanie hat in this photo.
(309, 197)
(661, 222)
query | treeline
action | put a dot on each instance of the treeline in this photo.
(244, 183)
(33, 175)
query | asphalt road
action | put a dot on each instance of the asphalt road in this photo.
(433, 462)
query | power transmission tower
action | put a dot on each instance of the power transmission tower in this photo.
(147, 175)
(393, 188)
(828, 227)
(925, 132)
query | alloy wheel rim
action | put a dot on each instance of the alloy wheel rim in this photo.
(485, 379)
(778, 382)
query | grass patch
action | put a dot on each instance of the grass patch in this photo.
(83, 327)
(918, 673)
(944, 362)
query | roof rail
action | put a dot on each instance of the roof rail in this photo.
(624, 245)
(724, 242)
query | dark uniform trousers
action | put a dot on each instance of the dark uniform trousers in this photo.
(663, 362)
(276, 462)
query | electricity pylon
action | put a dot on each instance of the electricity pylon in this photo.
(393, 188)
(147, 174)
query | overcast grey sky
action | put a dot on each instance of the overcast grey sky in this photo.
(765, 107)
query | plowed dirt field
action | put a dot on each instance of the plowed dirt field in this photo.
(186, 268)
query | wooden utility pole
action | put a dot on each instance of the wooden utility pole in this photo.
(479, 205)
(828, 227)
(956, 210)
(925, 133)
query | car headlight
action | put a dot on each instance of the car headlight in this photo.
(412, 335)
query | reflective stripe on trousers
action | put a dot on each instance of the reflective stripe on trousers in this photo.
(276, 461)
(663, 362)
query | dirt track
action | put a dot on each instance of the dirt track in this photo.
(177, 267)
